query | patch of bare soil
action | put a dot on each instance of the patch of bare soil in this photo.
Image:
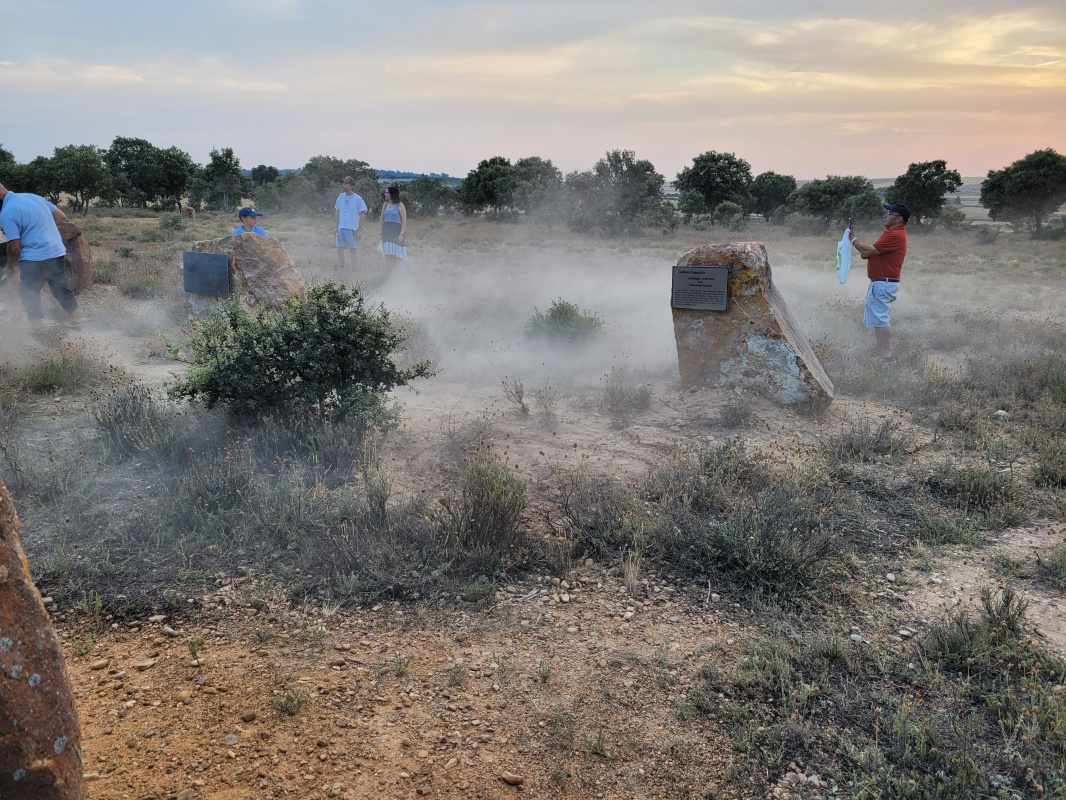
(955, 580)
(572, 686)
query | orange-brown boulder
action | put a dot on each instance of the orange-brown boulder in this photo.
(79, 260)
(260, 272)
(187, 212)
(40, 739)
(756, 344)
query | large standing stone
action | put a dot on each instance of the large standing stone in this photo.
(40, 739)
(260, 272)
(757, 343)
(79, 261)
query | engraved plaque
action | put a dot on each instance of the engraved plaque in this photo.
(206, 273)
(700, 288)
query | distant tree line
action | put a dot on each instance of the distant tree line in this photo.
(619, 195)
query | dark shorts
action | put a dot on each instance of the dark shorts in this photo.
(33, 275)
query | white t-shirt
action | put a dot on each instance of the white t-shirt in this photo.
(349, 206)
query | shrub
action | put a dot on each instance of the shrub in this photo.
(773, 544)
(481, 523)
(564, 323)
(619, 398)
(124, 251)
(133, 421)
(171, 223)
(71, 366)
(594, 511)
(326, 357)
(986, 234)
(952, 218)
(803, 225)
(725, 211)
(861, 442)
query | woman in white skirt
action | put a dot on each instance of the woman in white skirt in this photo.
(393, 225)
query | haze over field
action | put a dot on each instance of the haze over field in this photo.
(810, 89)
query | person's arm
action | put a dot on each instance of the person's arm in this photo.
(359, 230)
(14, 249)
(403, 220)
(865, 250)
(337, 218)
(59, 216)
(381, 234)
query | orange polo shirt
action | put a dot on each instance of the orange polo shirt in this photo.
(893, 247)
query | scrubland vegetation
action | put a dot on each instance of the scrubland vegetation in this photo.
(134, 500)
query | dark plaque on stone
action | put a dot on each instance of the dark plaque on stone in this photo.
(206, 273)
(700, 288)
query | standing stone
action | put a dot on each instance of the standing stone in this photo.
(79, 261)
(756, 344)
(40, 739)
(260, 272)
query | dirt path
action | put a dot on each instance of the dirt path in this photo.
(527, 688)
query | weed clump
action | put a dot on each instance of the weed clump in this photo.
(563, 324)
(72, 366)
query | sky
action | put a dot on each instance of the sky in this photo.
(803, 88)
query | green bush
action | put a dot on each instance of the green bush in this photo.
(326, 357)
(725, 211)
(564, 323)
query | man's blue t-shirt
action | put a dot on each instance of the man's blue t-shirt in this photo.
(28, 218)
(255, 229)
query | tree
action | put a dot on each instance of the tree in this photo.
(15, 177)
(327, 173)
(219, 184)
(328, 357)
(1030, 189)
(922, 188)
(489, 185)
(619, 195)
(692, 204)
(176, 168)
(537, 183)
(46, 178)
(719, 177)
(264, 174)
(838, 198)
(79, 170)
(292, 192)
(427, 197)
(134, 164)
(770, 191)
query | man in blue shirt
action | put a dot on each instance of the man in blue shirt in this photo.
(349, 213)
(248, 216)
(34, 243)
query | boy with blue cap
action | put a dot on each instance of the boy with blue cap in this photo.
(248, 216)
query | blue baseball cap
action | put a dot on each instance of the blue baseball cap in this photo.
(248, 211)
(898, 208)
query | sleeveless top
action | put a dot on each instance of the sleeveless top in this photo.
(393, 214)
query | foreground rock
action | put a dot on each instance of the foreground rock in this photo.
(79, 261)
(260, 272)
(40, 754)
(757, 344)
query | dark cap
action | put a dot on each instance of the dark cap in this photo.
(248, 211)
(900, 209)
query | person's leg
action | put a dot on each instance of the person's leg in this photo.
(883, 337)
(30, 284)
(54, 271)
(340, 258)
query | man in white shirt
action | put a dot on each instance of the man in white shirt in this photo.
(349, 214)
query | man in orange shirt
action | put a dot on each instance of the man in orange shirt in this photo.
(884, 261)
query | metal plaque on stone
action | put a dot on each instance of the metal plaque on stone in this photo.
(206, 273)
(700, 288)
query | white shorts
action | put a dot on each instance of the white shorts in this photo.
(879, 297)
